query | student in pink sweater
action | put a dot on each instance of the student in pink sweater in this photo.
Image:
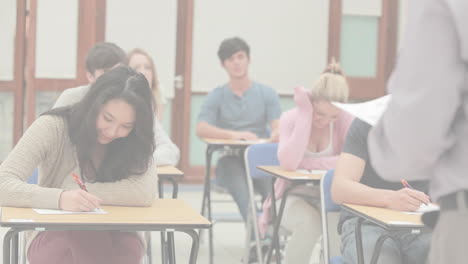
(311, 137)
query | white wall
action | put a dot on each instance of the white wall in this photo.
(56, 39)
(149, 25)
(402, 13)
(7, 39)
(362, 7)
(288, 40)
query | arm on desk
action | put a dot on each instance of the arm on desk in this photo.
(346, 188)
(205, 130)
(136, 190)
(36, 144)
(274, 136)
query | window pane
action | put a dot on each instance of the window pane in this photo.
(56, 39)
(359, 42)
(45, 101)
(7, 39)
(6, 126)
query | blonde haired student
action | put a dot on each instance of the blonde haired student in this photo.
(311, 137)
(107, 139)
(141, 61)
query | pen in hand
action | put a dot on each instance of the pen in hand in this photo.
(78, 180)
(407, 185)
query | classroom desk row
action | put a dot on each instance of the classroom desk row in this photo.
(165, 215)
(388, 219)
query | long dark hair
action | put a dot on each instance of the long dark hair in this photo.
(126, 156)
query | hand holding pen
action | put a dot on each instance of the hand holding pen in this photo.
(79, 200)
(407, 185)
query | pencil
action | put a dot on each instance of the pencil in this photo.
(407, 185)
(78, 180)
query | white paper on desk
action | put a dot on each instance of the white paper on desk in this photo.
(311, 171)
(369, 111)
(424, 208)
(251, 142)
(400, 223)
(61, 212)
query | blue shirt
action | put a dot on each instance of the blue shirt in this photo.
(253, 111)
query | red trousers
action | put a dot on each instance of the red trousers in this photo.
(85, 247)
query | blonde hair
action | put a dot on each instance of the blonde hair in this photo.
(154, 85)
(331, 85)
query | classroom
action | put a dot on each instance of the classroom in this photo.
(297, 132)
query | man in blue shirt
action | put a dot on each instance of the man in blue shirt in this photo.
(241, 109)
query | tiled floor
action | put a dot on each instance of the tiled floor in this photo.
(229, 237)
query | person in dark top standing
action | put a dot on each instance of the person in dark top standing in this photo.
(356, 182)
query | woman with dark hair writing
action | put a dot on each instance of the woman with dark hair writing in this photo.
(106, 139)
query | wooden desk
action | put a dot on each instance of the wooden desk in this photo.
(232, 142)
(386, 218)
(277, 171)
(163, 215)
(295, 178)
(170, 174)
(213, 145)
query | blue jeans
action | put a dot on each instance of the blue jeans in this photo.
(230, 174)
(408, 248)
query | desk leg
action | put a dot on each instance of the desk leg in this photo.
(164, 248)
(273, 219)
(210, 231)
(273, 201)
(10, 241)
(175, 188)
(171, 247)
(378, 247)
(195, 245)
(163, 234)
(160, 188)
(275, 243)
(206, 201)
(358, 234)
(14, 249)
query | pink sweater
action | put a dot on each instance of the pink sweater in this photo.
(295, 128)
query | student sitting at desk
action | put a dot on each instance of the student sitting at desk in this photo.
(311, 137)
(239, 109)
(356, 182)
(107, 139)
(101, 58)
(142, 62)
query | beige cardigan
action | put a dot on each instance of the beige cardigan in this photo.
(46, 145)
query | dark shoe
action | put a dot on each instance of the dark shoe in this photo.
(253, 258)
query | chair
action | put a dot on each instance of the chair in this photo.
(255, 155)
(34, 177)
(327, 206)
